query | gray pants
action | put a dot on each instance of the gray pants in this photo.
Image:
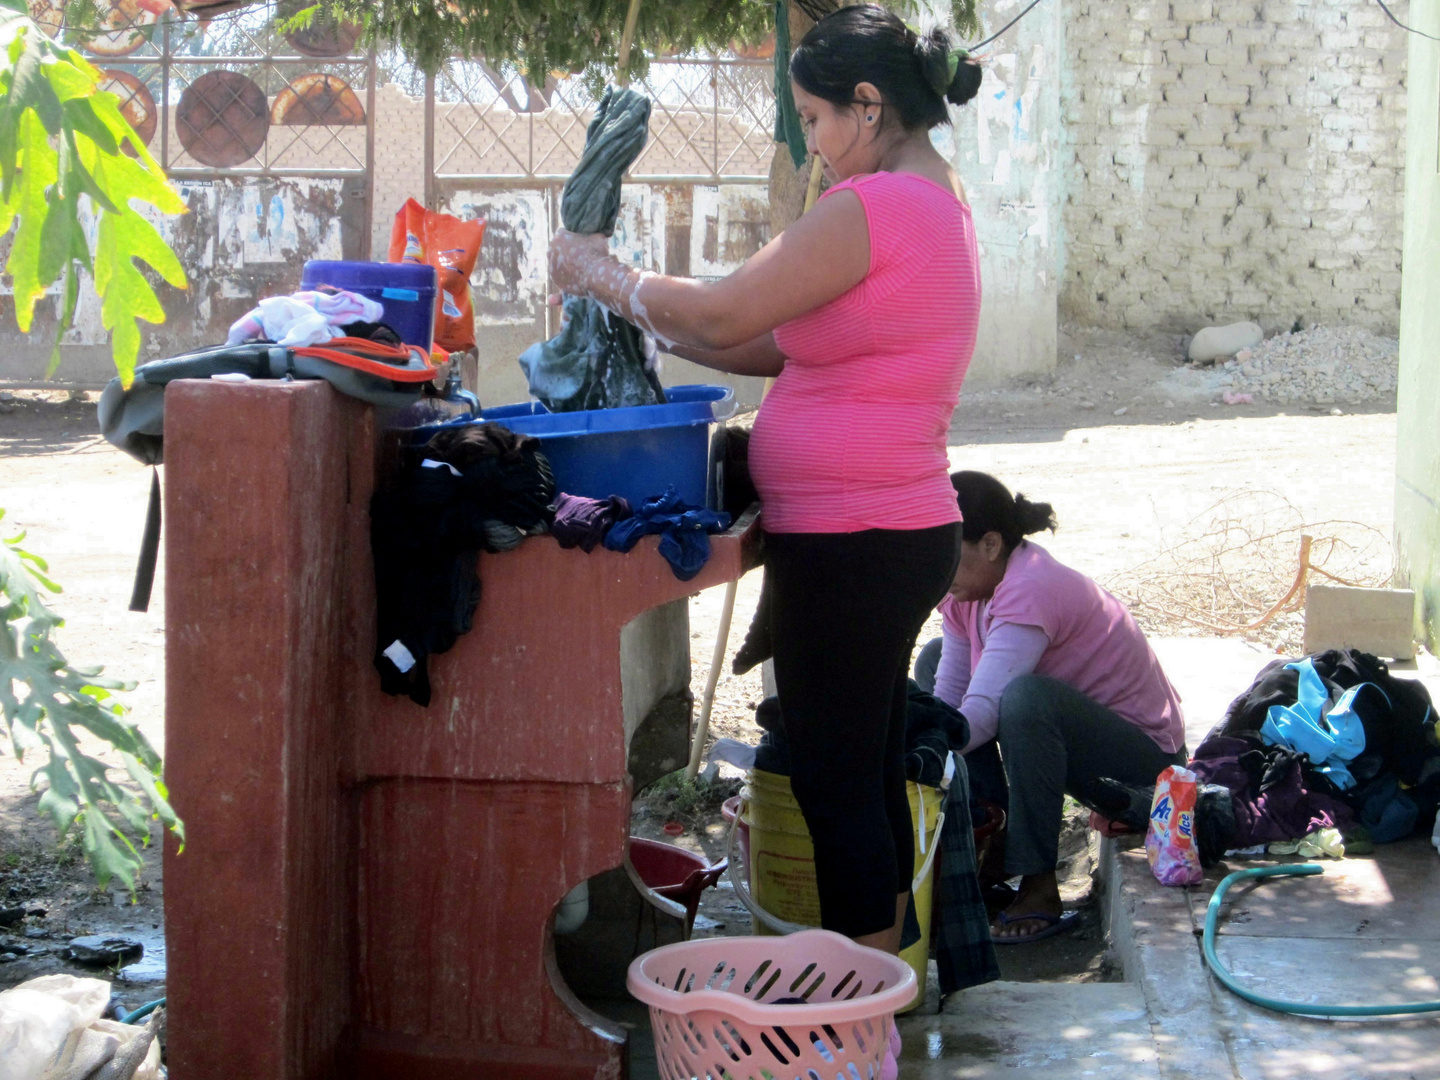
(1056, 742)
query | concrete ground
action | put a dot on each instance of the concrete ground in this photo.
(1367, 931)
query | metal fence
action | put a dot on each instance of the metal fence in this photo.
(712, 122)
(233, 96)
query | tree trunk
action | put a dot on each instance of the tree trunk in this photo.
(787, 183)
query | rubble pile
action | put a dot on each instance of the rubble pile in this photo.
(1324, 365)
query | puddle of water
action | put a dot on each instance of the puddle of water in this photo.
(150, 968)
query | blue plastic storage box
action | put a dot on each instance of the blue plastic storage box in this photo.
(636, 452)
(407, 290)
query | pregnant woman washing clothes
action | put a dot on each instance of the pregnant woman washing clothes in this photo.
(1045, 662)
(865, 311)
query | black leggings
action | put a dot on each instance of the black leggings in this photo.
(845, 609)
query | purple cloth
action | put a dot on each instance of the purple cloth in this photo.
(1268, 788)
(583, 523)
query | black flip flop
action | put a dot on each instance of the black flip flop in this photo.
(1054, 924)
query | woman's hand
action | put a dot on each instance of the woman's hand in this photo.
(574, 259)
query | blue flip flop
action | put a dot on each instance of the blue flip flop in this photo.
(1054, 924)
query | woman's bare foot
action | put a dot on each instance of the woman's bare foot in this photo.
(1039, 895)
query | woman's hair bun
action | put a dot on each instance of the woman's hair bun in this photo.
(1032, 517)
(987, 506)
(966, 83)
(935, 51)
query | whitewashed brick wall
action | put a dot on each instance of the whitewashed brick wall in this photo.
(399, 161)
(1229, 160)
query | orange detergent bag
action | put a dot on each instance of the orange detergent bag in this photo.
(451, 245)
(1170, 840)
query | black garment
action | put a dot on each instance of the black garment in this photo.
(772, 755)
(1401, 748)
(758, 645)
(932, 729)
(986, 771)
(372, 331)
(1399, 733)
(1274, 793)
(844, 613)
(597, 361)
(133, 417)
(427, 530)
(964, 951)
(739, 488)
(1217, 828)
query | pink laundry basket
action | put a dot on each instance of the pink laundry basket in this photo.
(711, 1007)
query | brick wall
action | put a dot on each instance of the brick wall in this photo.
(1232, 160)
(399, 161)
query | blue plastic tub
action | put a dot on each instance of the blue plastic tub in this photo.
(636, 452)
(407, 290)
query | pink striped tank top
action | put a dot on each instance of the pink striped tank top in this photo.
(852, 435)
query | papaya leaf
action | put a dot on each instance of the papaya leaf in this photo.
(57, 230)
(126, 178)
(107, 109)
(29, 89)
(67, 316)
(47, 703)
(67, 80)
(61, 154)
(80, 115)
(25, 262)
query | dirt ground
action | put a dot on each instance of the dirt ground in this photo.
(1129, 447)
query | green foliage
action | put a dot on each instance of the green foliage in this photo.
(677, 795)
(64, 163)
(45, 701)
(543, 36)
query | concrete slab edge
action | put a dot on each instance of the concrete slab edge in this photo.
(1155, 938)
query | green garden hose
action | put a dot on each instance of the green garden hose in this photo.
(1301, 1008)
(139, 1014)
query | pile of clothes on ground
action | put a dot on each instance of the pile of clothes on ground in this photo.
(935, 734)
(475, 488)
(1325, 755)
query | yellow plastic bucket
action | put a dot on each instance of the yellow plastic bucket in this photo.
(782, 859)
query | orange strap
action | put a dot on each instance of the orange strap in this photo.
(371, 357)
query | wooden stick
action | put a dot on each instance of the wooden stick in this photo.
(813, 191)
(717, 661)
(722, 637)
(627, 38)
